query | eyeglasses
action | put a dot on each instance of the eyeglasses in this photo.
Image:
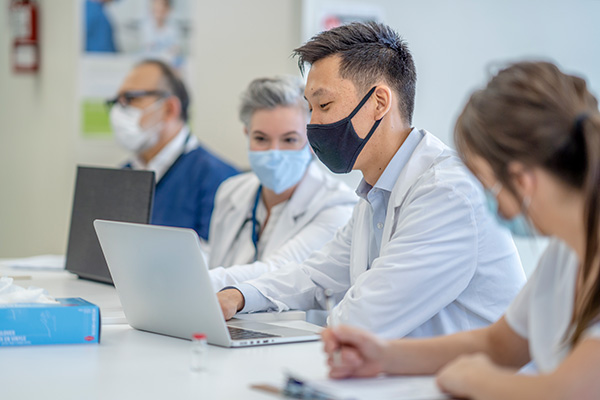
(126, 98)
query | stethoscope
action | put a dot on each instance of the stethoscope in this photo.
(255, 234)
(255, 224)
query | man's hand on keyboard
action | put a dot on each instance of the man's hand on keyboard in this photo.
(231, 301)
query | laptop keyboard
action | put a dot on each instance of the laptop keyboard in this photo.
(238, 333)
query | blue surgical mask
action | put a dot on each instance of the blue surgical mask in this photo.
(279, 170)
(518, 225)
(337, 145)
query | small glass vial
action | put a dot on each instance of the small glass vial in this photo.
(199, 350)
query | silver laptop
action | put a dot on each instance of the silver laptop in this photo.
(162, 280)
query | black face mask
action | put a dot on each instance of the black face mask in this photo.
(337, 145)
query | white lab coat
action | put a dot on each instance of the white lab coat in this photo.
(444, 264)
(319, 206)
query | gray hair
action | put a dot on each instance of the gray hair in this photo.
(269, 93)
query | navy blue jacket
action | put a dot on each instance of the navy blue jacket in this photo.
(185, 195)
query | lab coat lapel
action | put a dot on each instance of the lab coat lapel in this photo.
(239, 204)
(425, 155)
(361, 231)
(298, 209)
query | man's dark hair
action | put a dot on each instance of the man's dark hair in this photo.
(173, 84)
(369, 52)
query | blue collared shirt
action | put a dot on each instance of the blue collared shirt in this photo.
(377, 196)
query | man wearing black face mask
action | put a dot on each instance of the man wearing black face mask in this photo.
(420, 255)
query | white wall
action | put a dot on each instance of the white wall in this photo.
(457, 43)
(236, 41)
(37, 131)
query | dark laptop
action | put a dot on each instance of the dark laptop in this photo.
(103, 193)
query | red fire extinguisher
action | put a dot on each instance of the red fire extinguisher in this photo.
(25, 35)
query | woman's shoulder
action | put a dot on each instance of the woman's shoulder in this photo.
(557, 264)
(324, 181)
(239, 183)
(321, 190)
(559, 253)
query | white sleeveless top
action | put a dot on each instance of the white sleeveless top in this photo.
(542, 311)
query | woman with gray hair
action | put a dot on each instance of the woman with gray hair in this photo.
(286, 207)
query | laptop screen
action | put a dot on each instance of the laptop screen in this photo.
(103, 193)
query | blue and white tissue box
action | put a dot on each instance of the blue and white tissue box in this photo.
(72, 320)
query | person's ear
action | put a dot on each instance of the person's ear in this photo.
(172, 108)
(245, 130)
(523, 177)
(383, 99)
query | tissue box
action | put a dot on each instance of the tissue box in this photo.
(73, 320)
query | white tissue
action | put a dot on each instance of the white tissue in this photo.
(10, 293)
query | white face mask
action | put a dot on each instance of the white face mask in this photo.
(125, 122)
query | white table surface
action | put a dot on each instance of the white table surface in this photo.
(130, 364)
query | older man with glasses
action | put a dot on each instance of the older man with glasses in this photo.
(149, 119)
